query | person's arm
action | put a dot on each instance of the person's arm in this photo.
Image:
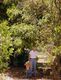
(29, 55)
(36, 55)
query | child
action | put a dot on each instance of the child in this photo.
(28, 66)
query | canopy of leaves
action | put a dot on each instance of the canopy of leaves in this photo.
(24, 23)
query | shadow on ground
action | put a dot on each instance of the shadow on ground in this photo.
(20, 74)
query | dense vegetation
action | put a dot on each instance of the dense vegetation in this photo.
(24, 23)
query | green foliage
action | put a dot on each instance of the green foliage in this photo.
(24, 33)
(28, 23)
(56, 50)
(5, 43)
(6, 1)
(12, 12)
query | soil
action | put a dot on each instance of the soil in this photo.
(20, 74)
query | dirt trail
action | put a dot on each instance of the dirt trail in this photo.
(18, 74)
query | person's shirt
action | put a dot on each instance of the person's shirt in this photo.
(33, 54)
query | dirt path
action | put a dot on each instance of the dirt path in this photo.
(18, 74)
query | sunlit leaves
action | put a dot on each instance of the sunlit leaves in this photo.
(6, 1)
(23, 30)
(57, 29)
(17, 42)
(29, 22)
(56, 50)
(5, 44)
(12, 12)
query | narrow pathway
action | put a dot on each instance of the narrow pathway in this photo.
(17, 74)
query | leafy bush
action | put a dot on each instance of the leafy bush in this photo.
(26, 23)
